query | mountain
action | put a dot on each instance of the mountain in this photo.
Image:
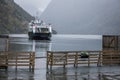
(13, 19)
(84, 16)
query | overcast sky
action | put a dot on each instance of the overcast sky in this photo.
(33, 6)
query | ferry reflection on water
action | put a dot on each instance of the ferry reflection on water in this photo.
(22, 43)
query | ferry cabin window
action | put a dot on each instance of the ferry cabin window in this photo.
(44, 29)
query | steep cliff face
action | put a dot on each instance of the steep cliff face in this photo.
(13, 19)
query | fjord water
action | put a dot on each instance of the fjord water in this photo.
(59, 42)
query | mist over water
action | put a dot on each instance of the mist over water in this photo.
(77, 42)
(59, 42)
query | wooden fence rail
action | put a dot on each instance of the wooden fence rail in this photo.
(111, 57)
(17, 59)
(63, 58)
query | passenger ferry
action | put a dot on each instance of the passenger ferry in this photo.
(39, 30)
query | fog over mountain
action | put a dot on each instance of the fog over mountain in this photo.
(84, 16)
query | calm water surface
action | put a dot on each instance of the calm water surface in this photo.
(59, 42)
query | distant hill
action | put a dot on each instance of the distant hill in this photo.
(84, 16)
(13, 19)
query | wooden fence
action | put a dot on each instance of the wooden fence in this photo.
(111, 57)
(63, 58)
(17, 59)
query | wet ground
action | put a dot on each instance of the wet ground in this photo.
(83, 72)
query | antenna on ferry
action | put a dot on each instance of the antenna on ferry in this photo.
(37, 14)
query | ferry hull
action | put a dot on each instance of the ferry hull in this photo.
(40, 36)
